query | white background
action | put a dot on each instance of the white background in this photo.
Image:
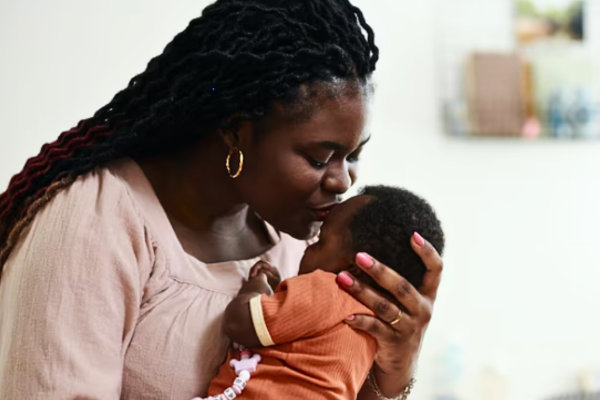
(522, 218)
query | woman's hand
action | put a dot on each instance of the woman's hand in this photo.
(399, 325)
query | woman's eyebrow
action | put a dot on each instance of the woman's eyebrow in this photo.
(338, 146)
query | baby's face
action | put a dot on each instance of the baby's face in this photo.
(333, 252)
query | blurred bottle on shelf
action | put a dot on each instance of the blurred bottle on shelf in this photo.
(558, 122)
(584, 114)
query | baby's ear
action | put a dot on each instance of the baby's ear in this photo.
(354, 270)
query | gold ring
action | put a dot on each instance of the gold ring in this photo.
(398, 318)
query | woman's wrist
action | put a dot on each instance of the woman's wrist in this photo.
(392, 385)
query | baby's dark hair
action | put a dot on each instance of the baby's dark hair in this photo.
(384, 226)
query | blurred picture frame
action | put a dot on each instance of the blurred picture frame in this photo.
(549, 20)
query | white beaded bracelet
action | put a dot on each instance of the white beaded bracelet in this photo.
(402, 396)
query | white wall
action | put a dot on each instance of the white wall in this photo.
(522, 218)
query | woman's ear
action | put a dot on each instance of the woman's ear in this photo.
(229, 133)
(236, 133)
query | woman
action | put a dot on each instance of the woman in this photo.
(124, 240)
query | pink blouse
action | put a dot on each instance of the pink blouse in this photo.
(100, 301)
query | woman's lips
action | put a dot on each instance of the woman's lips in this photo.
(321, 213)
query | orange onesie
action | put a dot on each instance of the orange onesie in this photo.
(309, 352)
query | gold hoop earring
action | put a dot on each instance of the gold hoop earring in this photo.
(241, 162)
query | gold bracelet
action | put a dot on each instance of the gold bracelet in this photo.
(402, 396)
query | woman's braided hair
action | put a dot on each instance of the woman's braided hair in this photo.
(237, 59)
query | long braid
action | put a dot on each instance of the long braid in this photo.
(236, 59)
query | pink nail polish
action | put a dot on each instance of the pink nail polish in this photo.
(419, 239)
(350, 318)
(345, 280)
(364, 260)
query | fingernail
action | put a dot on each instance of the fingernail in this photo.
(364, 260)
(345, 280)
(350, 318)
(419, 239)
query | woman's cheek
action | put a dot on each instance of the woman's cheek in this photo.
(301, 179)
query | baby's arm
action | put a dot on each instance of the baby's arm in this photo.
(301, 307)
(238, 318)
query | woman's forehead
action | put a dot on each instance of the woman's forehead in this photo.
(340, 120)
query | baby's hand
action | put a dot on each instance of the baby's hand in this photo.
(271, 273)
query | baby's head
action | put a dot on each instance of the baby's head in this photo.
(380, 221)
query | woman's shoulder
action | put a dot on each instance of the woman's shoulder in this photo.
(101, 197)
(95, 216)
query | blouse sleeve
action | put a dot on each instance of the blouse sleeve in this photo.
(70, 296)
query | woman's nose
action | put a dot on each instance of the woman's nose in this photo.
(338, 179)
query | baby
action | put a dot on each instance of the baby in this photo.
(297, 332)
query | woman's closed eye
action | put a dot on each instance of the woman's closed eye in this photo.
(321, 161)
(354, 157)
(317, 164)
